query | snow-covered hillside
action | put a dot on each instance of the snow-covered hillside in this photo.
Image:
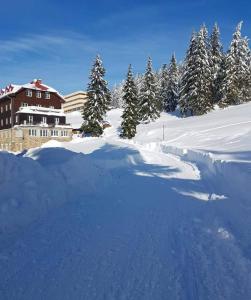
(162, 216)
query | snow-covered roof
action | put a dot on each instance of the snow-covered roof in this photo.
(41, 111)
(36, 84)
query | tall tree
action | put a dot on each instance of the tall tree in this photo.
(149, 100)
(196, 81)
(98, 102)
(234, 85)
(130, 114)
(217, 64)
(172, 90)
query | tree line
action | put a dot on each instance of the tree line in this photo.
(208, 76)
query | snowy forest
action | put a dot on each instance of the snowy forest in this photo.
(207, 78)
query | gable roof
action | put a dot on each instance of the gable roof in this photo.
(36, 85)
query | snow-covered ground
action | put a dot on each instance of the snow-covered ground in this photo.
(163, 216)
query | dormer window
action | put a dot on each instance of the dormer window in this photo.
(29, 93)
(47, 95)
(38, 94)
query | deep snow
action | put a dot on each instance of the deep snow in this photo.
(105, 218)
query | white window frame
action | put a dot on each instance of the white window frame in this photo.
(47, 95)
(30, 119)
(44, 120)
(24, 104)
(32, 132)
(43, 132)
(54, 133)
(29, 93)
(57, 121)
(38, 94)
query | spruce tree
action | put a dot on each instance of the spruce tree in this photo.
(196, 96)
(162, 88)
(130, 114)
(217, 63)
(188, 79)
(98, 102)
(149, 100)
(172, 90)
(235, 84)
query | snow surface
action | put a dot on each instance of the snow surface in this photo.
(149, 218)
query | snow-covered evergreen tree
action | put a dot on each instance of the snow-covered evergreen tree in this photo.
(130, 114)
(235, 83)
(99, 99)
(149, 100)
(117, 96)
(162, 87)
(172, 90)
(196, 81)
(217, 64)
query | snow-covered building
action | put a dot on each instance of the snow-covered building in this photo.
(30, 115)
(74, 101)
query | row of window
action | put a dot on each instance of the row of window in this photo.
(29, 93)
(43, 120)
(5, 107)
(45, 132)
(24, 104)
(7, 121)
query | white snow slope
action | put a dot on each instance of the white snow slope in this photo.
(151, 218)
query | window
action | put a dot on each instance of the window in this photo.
(6, 107)
(39, 105)
(6, 121)
(38, 94)
(44, 120)
(52, 107)
(64, 133)
(43, 132)
(47, 95)
(1, 109)
(16, 118)
(56, 121)
(24, 104)
(30, 118)
(29, 93)
(10, 121)
(2, 122)
(54, 132)
(32, 132)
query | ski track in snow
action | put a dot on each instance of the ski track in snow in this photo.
(141, 221)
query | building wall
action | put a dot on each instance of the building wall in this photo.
(5, 113)
(19, 138)
(19, 99)
(74, 102)
(37, 118)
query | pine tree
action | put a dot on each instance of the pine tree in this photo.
(149, 100)
(130, 114)
(217, 64)
(235, 82)
(188, 79)
(117, 96)
(196, 82)
(98, 102)
(163, 87)
(172, 95)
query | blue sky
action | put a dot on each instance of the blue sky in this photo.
(56, 40)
